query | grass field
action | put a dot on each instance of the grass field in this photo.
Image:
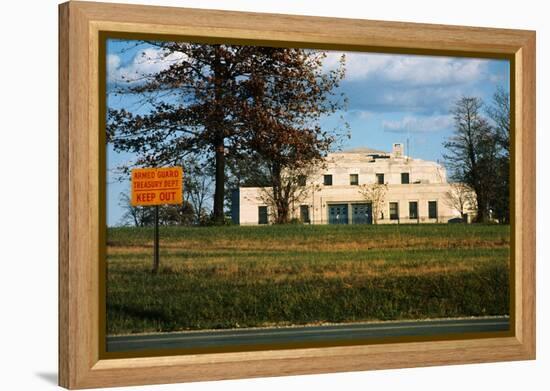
(226, 277)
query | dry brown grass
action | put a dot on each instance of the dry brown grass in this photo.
(314, 245)
(217, 277)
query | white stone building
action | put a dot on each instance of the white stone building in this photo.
(417, 191)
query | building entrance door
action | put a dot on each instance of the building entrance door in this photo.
(338, 214)
(361, 213)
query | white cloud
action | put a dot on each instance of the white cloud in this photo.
(145, 62)
(416, 98)
(497, 78)
(113, 62)
(418, 124)
(410, 69)
(361, 114)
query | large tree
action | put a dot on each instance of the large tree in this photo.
(471, 152)
(193, 107)
(282, 123)
(196, 104)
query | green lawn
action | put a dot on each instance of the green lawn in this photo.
(224, 277)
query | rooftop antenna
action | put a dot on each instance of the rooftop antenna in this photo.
(408, 136)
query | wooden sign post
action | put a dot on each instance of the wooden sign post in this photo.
(154, 187)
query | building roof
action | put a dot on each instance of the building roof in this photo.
(364, 150)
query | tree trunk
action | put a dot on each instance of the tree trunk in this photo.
(220, 183)
(219, 142)
(481, 206)
(281, 212)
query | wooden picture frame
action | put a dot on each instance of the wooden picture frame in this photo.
(80, 361)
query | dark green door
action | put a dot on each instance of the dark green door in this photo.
(304, 214)
(262, 215)
(361, 213)
(338, 214)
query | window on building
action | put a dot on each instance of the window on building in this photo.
(304, 213)
(262, 215)
(302, 180)
(380, 179)
(413, 210)
(405, 177)
(394, 211)
(327, 180)
(354, 179)
(432, 209)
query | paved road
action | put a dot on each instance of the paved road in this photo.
(260, 336)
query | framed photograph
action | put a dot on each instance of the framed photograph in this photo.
(249, 195)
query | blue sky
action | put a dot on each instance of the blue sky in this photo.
(392, 98)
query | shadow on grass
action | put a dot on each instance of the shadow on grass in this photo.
(139, 312)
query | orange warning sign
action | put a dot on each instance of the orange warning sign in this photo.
(157, 186)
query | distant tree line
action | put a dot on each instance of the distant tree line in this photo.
(478, 153)
(144, 216)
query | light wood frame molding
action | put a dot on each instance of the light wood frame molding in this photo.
(80, 364)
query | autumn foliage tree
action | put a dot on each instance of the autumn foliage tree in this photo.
(192, 105)
(201, 103)
(281, 123)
